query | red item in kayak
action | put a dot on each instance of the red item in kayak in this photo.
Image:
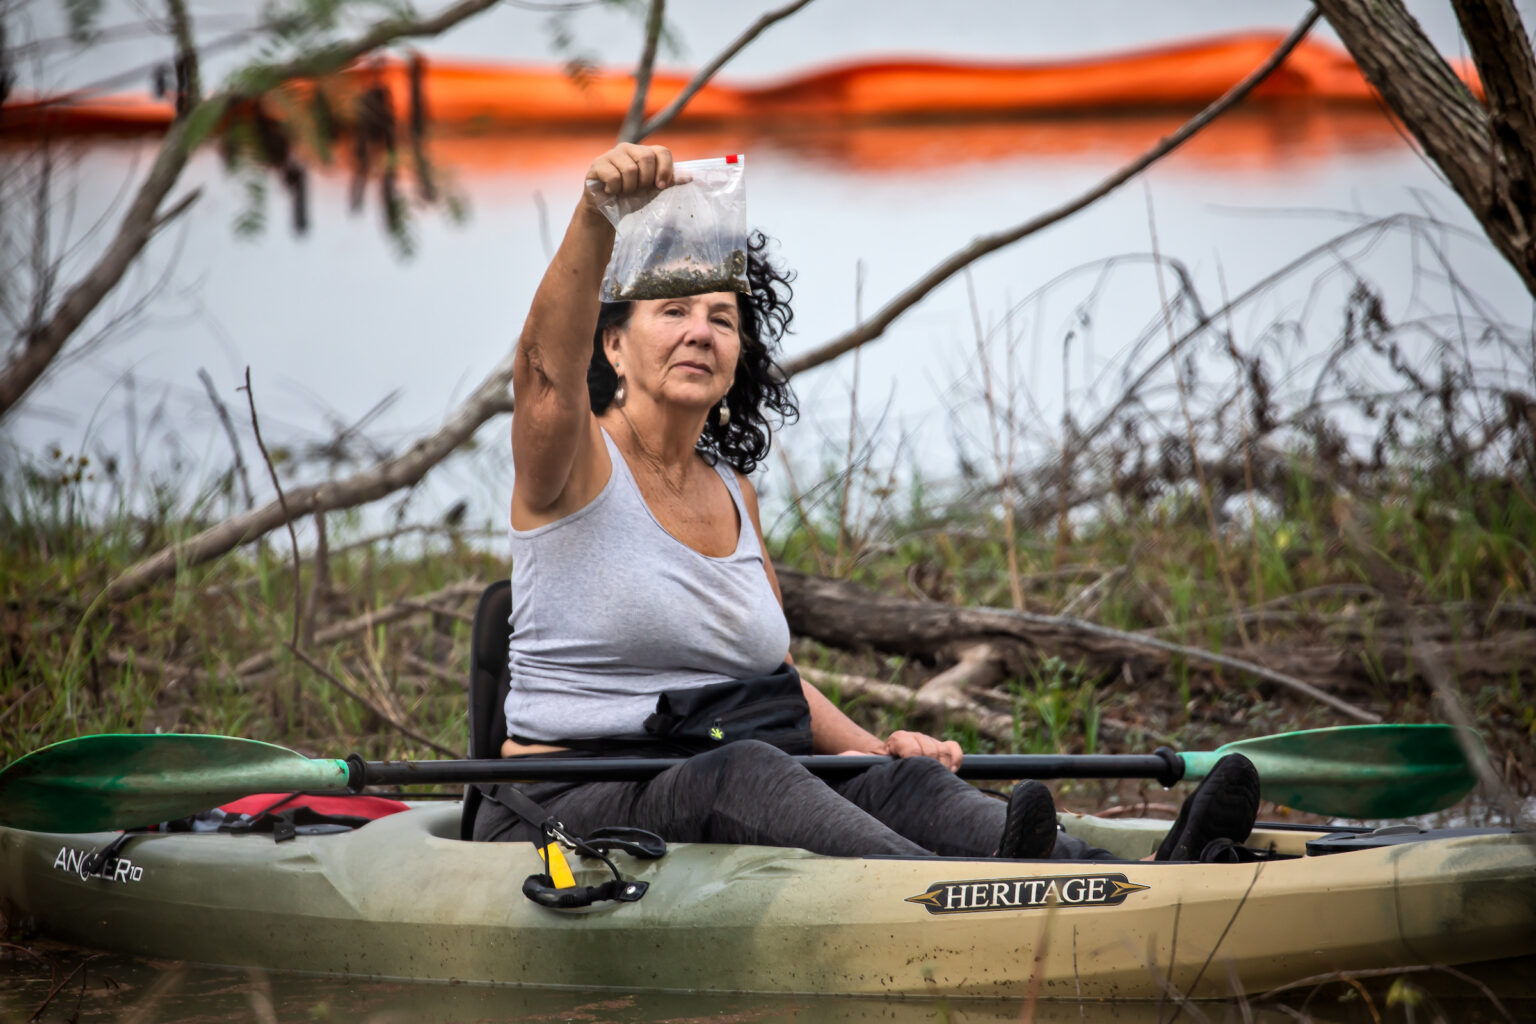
(356, 805)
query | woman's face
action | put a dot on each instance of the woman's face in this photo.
(681, 351)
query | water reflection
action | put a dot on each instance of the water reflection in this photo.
(54, 984)
(1257, 137)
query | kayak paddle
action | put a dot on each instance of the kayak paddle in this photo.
(115, 781)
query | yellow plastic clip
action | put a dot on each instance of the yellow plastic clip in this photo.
(555, 864)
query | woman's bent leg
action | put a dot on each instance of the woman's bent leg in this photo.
(930, 805)
(744, 792)
(935, 808)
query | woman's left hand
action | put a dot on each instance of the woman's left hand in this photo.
(916, 744)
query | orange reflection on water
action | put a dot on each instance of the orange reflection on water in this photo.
(1254, 137)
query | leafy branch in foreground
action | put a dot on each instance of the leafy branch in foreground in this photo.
(25, 364)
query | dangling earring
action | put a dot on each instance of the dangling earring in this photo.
(723, 414)
(618, 393)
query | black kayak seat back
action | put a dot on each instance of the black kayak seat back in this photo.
(489, 680)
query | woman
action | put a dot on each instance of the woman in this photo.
(639, 574)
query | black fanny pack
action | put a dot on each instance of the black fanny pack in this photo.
(769, 708)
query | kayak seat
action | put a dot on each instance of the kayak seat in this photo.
(489, 680)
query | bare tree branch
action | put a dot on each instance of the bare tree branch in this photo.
(491, 397)
(189, 83)
(45, 341)
(293, 537)
(630, 130)
(665, 116)
(875, 326)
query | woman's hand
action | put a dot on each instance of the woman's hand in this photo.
(916, 744)
(629, 169)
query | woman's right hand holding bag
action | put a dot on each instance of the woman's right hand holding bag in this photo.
(628, 169)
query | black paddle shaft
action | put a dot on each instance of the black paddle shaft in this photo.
(1164, 765)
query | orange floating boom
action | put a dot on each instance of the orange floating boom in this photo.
(466, 97)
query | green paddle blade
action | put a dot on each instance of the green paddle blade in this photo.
(95, 783)
(1357, 771)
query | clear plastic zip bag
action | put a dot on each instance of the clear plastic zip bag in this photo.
(687, 239)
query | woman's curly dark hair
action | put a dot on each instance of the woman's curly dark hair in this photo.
(760, 387)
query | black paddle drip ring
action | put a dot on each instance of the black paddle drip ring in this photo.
(1175, 766)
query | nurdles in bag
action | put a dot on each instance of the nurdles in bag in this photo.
(689, 278)
(688, 239)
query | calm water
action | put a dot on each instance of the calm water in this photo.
(107, 988)
(340, 330)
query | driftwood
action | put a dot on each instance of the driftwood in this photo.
(845, 615)
(945, 698)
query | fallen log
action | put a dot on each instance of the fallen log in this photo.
(845, 615)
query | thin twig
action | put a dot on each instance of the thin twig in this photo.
(320, 579)
(229, 431)
(362, 699)
(838, 567)
(665, 116)
(60, 986)
(877, 324)
(1002, 465)
(298, 596)
(402, 609)
(1258, 868)
(1388, 972)
(1392, 585)
(797, 499)
(630, 130)
(1189, 428)
(436, 671)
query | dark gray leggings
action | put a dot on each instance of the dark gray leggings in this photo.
(751, 792)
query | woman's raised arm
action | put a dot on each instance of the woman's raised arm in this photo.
(551, 428)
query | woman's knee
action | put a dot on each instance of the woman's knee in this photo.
(740, 769)
(753, 756)
(921, 775)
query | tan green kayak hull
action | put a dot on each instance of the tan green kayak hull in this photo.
(404, 898)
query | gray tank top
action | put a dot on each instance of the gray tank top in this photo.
(609, 609)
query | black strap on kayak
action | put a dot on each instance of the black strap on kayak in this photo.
(542, 888)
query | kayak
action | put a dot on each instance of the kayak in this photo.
(403, 897)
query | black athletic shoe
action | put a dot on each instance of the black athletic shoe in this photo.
(1222, 807)
(1029, 831)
